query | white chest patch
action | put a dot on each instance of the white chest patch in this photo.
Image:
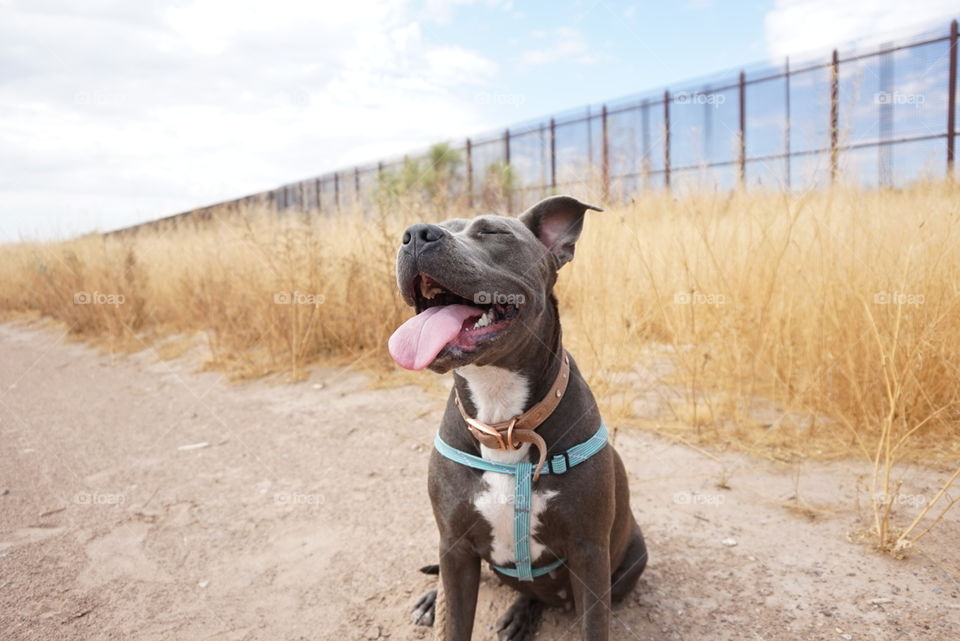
(498, 395)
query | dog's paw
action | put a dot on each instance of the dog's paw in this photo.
(520, 622)
(425, 609)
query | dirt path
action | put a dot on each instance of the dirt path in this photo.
(305, 517)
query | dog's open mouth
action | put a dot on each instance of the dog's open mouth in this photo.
(448, 321)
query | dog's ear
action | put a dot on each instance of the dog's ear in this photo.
(557, 221)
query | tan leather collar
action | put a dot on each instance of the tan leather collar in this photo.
(520, 428)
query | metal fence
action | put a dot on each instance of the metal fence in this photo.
(884, 117)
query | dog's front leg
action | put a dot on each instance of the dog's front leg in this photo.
(590, 577)
(460, 575)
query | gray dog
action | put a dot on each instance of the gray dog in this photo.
(522, 476)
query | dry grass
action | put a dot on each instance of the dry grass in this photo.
(270, 294)
(826, 324)
(819, 303)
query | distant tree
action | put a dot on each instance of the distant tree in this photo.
(433, 178)
(499, 186)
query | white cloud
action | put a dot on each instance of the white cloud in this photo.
(127, 111)
(451, 63)
(442, 10)
(564, 44)
(802, 26)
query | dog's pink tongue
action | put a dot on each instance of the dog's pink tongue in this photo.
(418, 341)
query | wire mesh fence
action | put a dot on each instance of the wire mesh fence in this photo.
(884, 117)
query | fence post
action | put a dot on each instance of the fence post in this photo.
(834, 115)
(589, 138)
(645, 141)
(356, 187)
(666, 138)
(885, 120)
(336, 191)
(542, 185)
(742, 142)
(952, 100)
(605, 155)
(378, 191)
(469, 151)
(786, 130)
(506, 168)
(319, 190)
(553, 155)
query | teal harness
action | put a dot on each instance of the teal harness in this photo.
(522, 504)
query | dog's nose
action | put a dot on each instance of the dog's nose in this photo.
(418, 237)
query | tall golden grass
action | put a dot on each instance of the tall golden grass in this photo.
(839, 309)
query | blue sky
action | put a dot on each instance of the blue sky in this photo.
(120, 112)
(560, 56)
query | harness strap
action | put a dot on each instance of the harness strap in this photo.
(522, 506)
(523, 491)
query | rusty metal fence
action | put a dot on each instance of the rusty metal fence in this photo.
(884, 117)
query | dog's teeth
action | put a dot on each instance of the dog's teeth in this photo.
(483, 321)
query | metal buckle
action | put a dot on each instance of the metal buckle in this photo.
(485, 429)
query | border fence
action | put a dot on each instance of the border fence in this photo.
(881, 117)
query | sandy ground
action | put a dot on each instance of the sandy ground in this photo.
(305, 517)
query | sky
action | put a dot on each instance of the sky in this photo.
(114, 112)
